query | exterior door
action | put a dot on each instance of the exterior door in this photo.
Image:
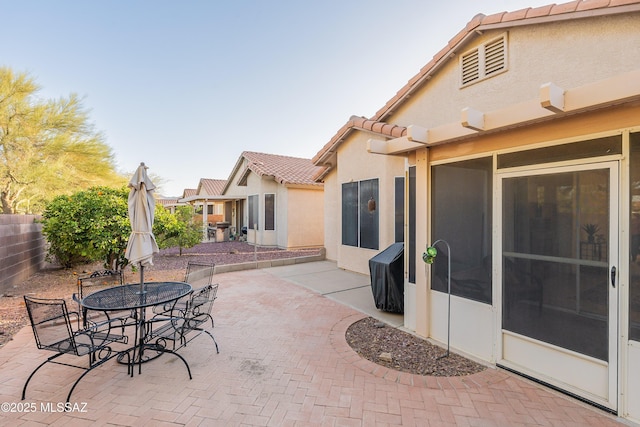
(558, 265)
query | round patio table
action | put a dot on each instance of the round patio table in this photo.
(136, 296)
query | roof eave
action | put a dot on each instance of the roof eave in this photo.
(476, 27)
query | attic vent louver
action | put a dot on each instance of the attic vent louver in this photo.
(494, 56)
(470, 67)
(484, 61)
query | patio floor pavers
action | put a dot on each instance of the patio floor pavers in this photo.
(283, 362)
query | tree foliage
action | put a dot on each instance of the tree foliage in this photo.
(93, 225)
(47, 147)
(180, 230)
(88, 226)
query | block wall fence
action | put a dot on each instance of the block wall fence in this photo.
(22, 248)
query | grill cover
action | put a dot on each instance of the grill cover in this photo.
(387, 278)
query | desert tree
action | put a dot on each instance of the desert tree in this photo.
(47, 147)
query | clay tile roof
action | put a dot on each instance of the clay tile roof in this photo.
(188, 192)
(515, 15)
(283, 169)
(361, 123)
(211, 187)
(593, 4)
(539, 11)
(167, 201)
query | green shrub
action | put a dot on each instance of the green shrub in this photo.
(88, 226)
(93, 225)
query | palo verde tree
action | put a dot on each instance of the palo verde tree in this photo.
(47, 147)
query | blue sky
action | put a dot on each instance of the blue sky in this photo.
(186, 86)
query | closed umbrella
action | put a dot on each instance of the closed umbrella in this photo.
(142, 243)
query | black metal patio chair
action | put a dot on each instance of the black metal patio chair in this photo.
(184, 326)
(197, 273)
(52, 331)
(97, 281)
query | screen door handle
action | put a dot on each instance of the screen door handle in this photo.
(613, 276)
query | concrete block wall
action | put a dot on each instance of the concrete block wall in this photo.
(22, 248)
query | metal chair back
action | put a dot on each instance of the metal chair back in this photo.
(51, 325)
(99, 280)
(199, 273)
(200, 305)
(181, 325)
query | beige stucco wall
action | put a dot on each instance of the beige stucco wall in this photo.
(256, 185)
(355, 164)
(305, 218)
(568, 53)
(332, 221)
(299, 212)
(233, 189)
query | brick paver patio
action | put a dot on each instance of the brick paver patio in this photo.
(283, 362)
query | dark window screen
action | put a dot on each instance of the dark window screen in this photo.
(253, 211)
(412, 224)
(462, 216)
(369, 218)
(577, 150)
(399, 209)
(350, 214)
(269, 212)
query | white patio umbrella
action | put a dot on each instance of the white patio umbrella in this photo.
(142, 243)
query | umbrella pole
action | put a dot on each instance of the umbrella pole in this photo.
(141, 321)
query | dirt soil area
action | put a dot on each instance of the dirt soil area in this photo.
(373, 340)
(399, 350)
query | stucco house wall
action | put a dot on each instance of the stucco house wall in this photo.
(355, 164)
(298, 204)
(588, 52)
(304, 225)
(331, 220)
(537, 54)
(258, 186)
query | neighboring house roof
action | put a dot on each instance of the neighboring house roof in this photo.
(475, 27)
(168, 201)
(188, 192)
(211, 187)
(284, 170)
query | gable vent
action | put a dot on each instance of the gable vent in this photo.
(484, 61)
(494, 56)
(470, 67)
